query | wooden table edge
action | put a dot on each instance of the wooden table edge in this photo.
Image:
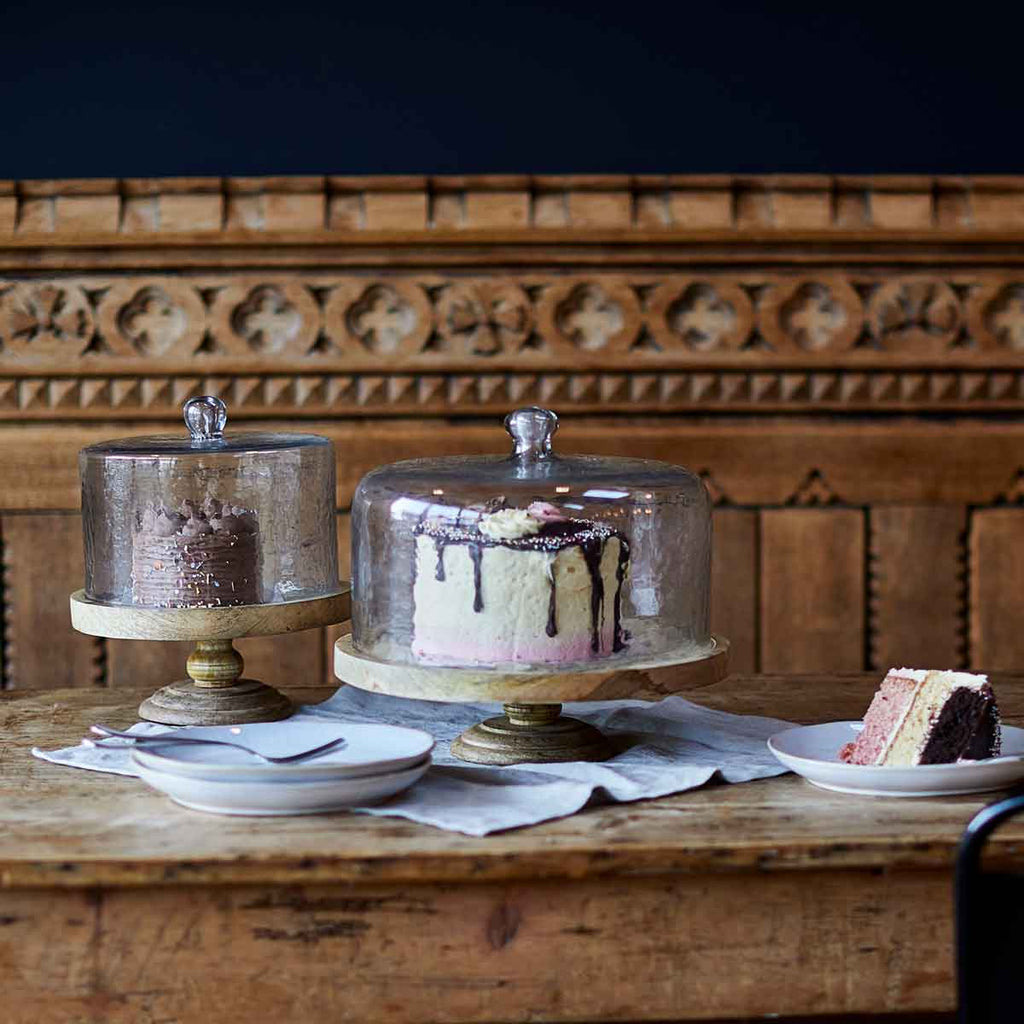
(473, 867)
(529, 854)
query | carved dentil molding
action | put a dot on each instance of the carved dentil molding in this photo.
(508, 205)
(279, 344)
(284, 395)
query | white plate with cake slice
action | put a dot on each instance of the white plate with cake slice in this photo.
(812, 751)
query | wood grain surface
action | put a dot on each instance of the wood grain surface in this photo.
(54, 817)
(775, 461)
(997, 558)
(917, 574)
(727, 902)
(650, 949)
(131, 622)
(735, 585)
(42, 555)
(668, 672)
(812, 591)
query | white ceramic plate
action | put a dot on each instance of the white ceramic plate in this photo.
(276, 799)
(812, 751)
(369, 750)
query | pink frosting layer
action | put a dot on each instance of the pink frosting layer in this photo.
(887, 708)
(463, 651)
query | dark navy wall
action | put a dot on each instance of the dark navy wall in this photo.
(298, 87)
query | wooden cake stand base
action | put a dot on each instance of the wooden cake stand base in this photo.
(215, 692)
(532, 729)
(531, 734)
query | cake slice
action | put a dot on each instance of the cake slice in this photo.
(926, 717)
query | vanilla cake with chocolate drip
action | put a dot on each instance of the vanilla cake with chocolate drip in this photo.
(928, 717)
(196, 556)
(518, 585)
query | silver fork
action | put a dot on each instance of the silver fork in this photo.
(168, 739)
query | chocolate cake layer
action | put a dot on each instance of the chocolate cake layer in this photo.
(966, 729)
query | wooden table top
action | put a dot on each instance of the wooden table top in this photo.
(67, 828)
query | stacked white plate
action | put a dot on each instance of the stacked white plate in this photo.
(376, 762)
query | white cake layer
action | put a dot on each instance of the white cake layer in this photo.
(911, 735)
(515, 587)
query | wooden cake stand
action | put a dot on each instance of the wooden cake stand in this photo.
(533, 728)
(214, 693)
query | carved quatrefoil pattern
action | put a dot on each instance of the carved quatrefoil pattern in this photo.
(602, 320)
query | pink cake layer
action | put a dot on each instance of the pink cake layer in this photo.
(887, 708)
(462, 650)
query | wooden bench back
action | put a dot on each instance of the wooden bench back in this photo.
(841, 359)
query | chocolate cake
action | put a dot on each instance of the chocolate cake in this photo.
(928, 717)
(196, 556)
(518, 585)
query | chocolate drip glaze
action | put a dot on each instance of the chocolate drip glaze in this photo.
(552, 537)
(618, 640)
(552, 626)
(591, 549)
(477, 554)
(967, 727)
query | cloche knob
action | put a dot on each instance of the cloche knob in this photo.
(532, 429)
(206, 418)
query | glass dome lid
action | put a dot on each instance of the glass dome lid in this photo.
(535, 470)
(206, 418)
(532, 558)
(209, 519)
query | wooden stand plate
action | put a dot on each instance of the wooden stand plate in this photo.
(532, 730)
(215, 692)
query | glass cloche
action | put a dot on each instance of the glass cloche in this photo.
(209, 520)
(531, 560)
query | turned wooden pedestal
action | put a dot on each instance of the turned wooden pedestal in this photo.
(532, 729)
(214, 692)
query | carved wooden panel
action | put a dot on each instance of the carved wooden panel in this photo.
(735, 585)
(141, 662)
(812, 590)
(918, 597)
(836, 356)
(773, 462)
(42, 564)
(295, 659)
(88, 347)
(127, 210)
(996, 585)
